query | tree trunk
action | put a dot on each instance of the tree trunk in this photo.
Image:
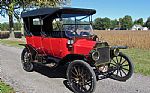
(11, 26)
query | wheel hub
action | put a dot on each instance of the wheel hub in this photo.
(119, 66)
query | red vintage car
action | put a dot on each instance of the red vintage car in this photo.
(60, 36)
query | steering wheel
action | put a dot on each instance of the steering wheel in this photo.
(95, 38)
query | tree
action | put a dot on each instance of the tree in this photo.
(17, 26)
(120, 23)
(106, 23)
(139, 21)
(98, 24)
(0, 26)
(102, 23)
(4, 26)
(147, 23)
(126, 23)
(114, 24)
(10, 7)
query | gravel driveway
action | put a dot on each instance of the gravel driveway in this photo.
(43, 80)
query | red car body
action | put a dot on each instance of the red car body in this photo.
(57, 47)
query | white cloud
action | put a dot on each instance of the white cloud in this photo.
(3, 19)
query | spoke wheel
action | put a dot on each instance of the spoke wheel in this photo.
(26, 61)
(81, 77)
(122, 67)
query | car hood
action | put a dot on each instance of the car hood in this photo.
(83, 46)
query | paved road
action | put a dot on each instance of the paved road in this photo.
(45, 81)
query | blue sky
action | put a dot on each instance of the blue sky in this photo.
(113, 9)
(116, 8)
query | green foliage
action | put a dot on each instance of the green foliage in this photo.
(46, 3)
(147, 23)
(139, 21)
(57, 25)
(126, 22)
(98, 24)
(106, 23)
(102, 23)
(5, 88)
(114, 24)
(5, 26)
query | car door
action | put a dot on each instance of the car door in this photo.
(55, 44)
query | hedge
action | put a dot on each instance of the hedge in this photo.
(5, 34)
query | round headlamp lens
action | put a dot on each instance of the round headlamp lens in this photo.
(95, 55)
(116, 51)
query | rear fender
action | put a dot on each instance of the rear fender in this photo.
(31, 50)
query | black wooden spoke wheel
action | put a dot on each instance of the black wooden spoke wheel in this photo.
(26, 61)
(81, 77)
(122, 67)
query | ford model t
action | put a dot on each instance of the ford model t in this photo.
(64, 36)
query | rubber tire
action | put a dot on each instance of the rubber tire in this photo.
(131, 69)
(30, 69)
(81, 62)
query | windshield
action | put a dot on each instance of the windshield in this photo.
(76, 27)
(78, 30)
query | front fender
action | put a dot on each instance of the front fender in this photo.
(72, 57)
(119, 47)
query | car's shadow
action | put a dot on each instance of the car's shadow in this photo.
(59, 72)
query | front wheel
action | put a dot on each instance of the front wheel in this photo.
(122, 67)
(26, 60)
(81, 77)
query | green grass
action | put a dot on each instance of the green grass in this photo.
(141, 60)
(14, 43)
(5, 88)
(140, 57)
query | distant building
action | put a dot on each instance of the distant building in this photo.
(138, 27)
(145, 28)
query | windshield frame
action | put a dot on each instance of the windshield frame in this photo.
(76, 24)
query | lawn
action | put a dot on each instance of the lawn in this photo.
(5, 88)
(140, 57)
(14, 43)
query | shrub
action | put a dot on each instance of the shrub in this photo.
(18, 34)
(5, 34)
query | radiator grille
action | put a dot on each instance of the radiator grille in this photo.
(104, 55)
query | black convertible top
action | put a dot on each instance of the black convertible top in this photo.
(65, 12)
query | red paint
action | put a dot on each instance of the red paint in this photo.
(83, 46)
(57, 47)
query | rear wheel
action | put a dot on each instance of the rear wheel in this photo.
(122, 67)
(26, 60)
(81, 77)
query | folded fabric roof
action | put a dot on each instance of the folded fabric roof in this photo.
(65, 12)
